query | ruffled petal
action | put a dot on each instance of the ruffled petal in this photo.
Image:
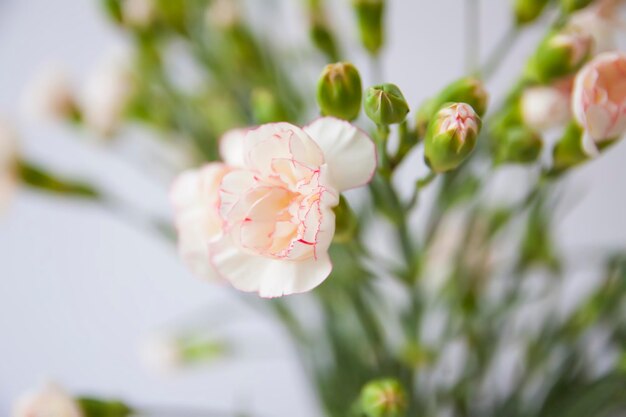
(269, 277)
(280, 140)
(349, 152)
(232, 147)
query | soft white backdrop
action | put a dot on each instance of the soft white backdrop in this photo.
(79, 288)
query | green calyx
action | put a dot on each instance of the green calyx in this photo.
(383, 398)
(527, 11)
(339, 91)
(560, 54)
(385, 104)
(518, 145)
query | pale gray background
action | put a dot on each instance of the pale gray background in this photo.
(79, 288)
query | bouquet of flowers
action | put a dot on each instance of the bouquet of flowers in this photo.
(288, 192)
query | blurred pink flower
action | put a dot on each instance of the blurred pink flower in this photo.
(275, 202)
(599, 99)
(50, 401)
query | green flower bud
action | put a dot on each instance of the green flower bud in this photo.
(569, 150)
(385, 104)
(569, 6)
(265, 107)
(339, 91)
(383, 398)
(561, 54)
(451, 137)
(369, 15)
(468, 90)
(518, 144)
(346, 223)
(527, 11)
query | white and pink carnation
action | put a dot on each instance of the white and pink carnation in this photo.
(599, 98)
(271, 215)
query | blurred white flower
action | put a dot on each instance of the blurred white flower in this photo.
(8, 161)
(161, 354)
(50, 401)
(545, 107)
(274, 203)
(49, 96)
(107, 94)
(601, 22)
(599, 98)
(138, 13)
(195, 199)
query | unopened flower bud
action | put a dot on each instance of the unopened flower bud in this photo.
(570, 150)
(599, 98)
(383, 398)
(527, 11)
(265, 106)
(320, 33)
(369, 15)
(562, 54)
(50, 97)
(95, 407)
(569, 6)
(470, 90)
(339, 91)
(385, 104)
(519, 145)
(545, 107)
(138, 13)
(451, 136)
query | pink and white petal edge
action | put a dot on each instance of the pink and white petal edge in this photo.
(268, 277)
(349, 152)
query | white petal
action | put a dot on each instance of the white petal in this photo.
(280, 140)
(349, 152)
(269, 277)
(232, 147)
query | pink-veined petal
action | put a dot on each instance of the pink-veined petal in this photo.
(269, 277)
(348, 151)
(280, 140)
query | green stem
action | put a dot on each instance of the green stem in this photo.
(499, 53)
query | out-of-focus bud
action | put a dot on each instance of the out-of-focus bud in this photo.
(599, 98)
(570, 150)
(339, 91)
(8, 163)
(51, 400)
(369, 15)
(469, 90)
(527, 11)
(569, 6)
(138, 13)
(108, 92)
(518, 145)
(385, 104)
(545, 107)
(601, 22)
(346, 223)
(320, 32)
(383, 398)
(451, 136)
(562, 53)
(166, 354)
(94, 407)
(223, 14)
(265, 107)
(50, 97)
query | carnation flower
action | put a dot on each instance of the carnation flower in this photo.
(51, 401)
(599, 99)
(274, 203)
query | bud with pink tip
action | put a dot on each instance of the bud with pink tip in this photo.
(599, 98)
(451, 136)
(546, 107)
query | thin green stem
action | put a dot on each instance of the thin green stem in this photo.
(499, 53)
(472, 35)
(420, 184)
